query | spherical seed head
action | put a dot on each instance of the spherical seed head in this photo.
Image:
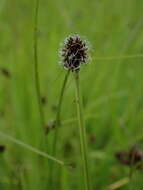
(74, 52)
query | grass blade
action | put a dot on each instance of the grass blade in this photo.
(29, 147)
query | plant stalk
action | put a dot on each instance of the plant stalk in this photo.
(82, 133)
(37, 80)
(58, 117)
(57, 125)
(58, 120)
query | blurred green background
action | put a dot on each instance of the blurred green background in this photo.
(112, 90)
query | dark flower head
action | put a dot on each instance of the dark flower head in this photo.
(132, 157)
(74, 52)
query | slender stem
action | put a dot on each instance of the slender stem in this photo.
(58, 119)
(57, 125)
(82, 133)
(31, 148)
(37, 81)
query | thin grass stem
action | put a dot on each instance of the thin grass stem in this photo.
(31, 148)
(37, 80)
(82, 133)
(58, 118)
(57, 125)
(133, 56)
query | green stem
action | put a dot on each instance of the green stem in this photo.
(58, 119)
(30, 148)
(37, 81)
(57, 125)
(61, 98)
(82, 133)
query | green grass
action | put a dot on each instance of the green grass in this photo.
(111, 86)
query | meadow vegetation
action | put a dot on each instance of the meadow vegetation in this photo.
(111, 89)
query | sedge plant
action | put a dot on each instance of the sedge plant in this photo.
(75, 53)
